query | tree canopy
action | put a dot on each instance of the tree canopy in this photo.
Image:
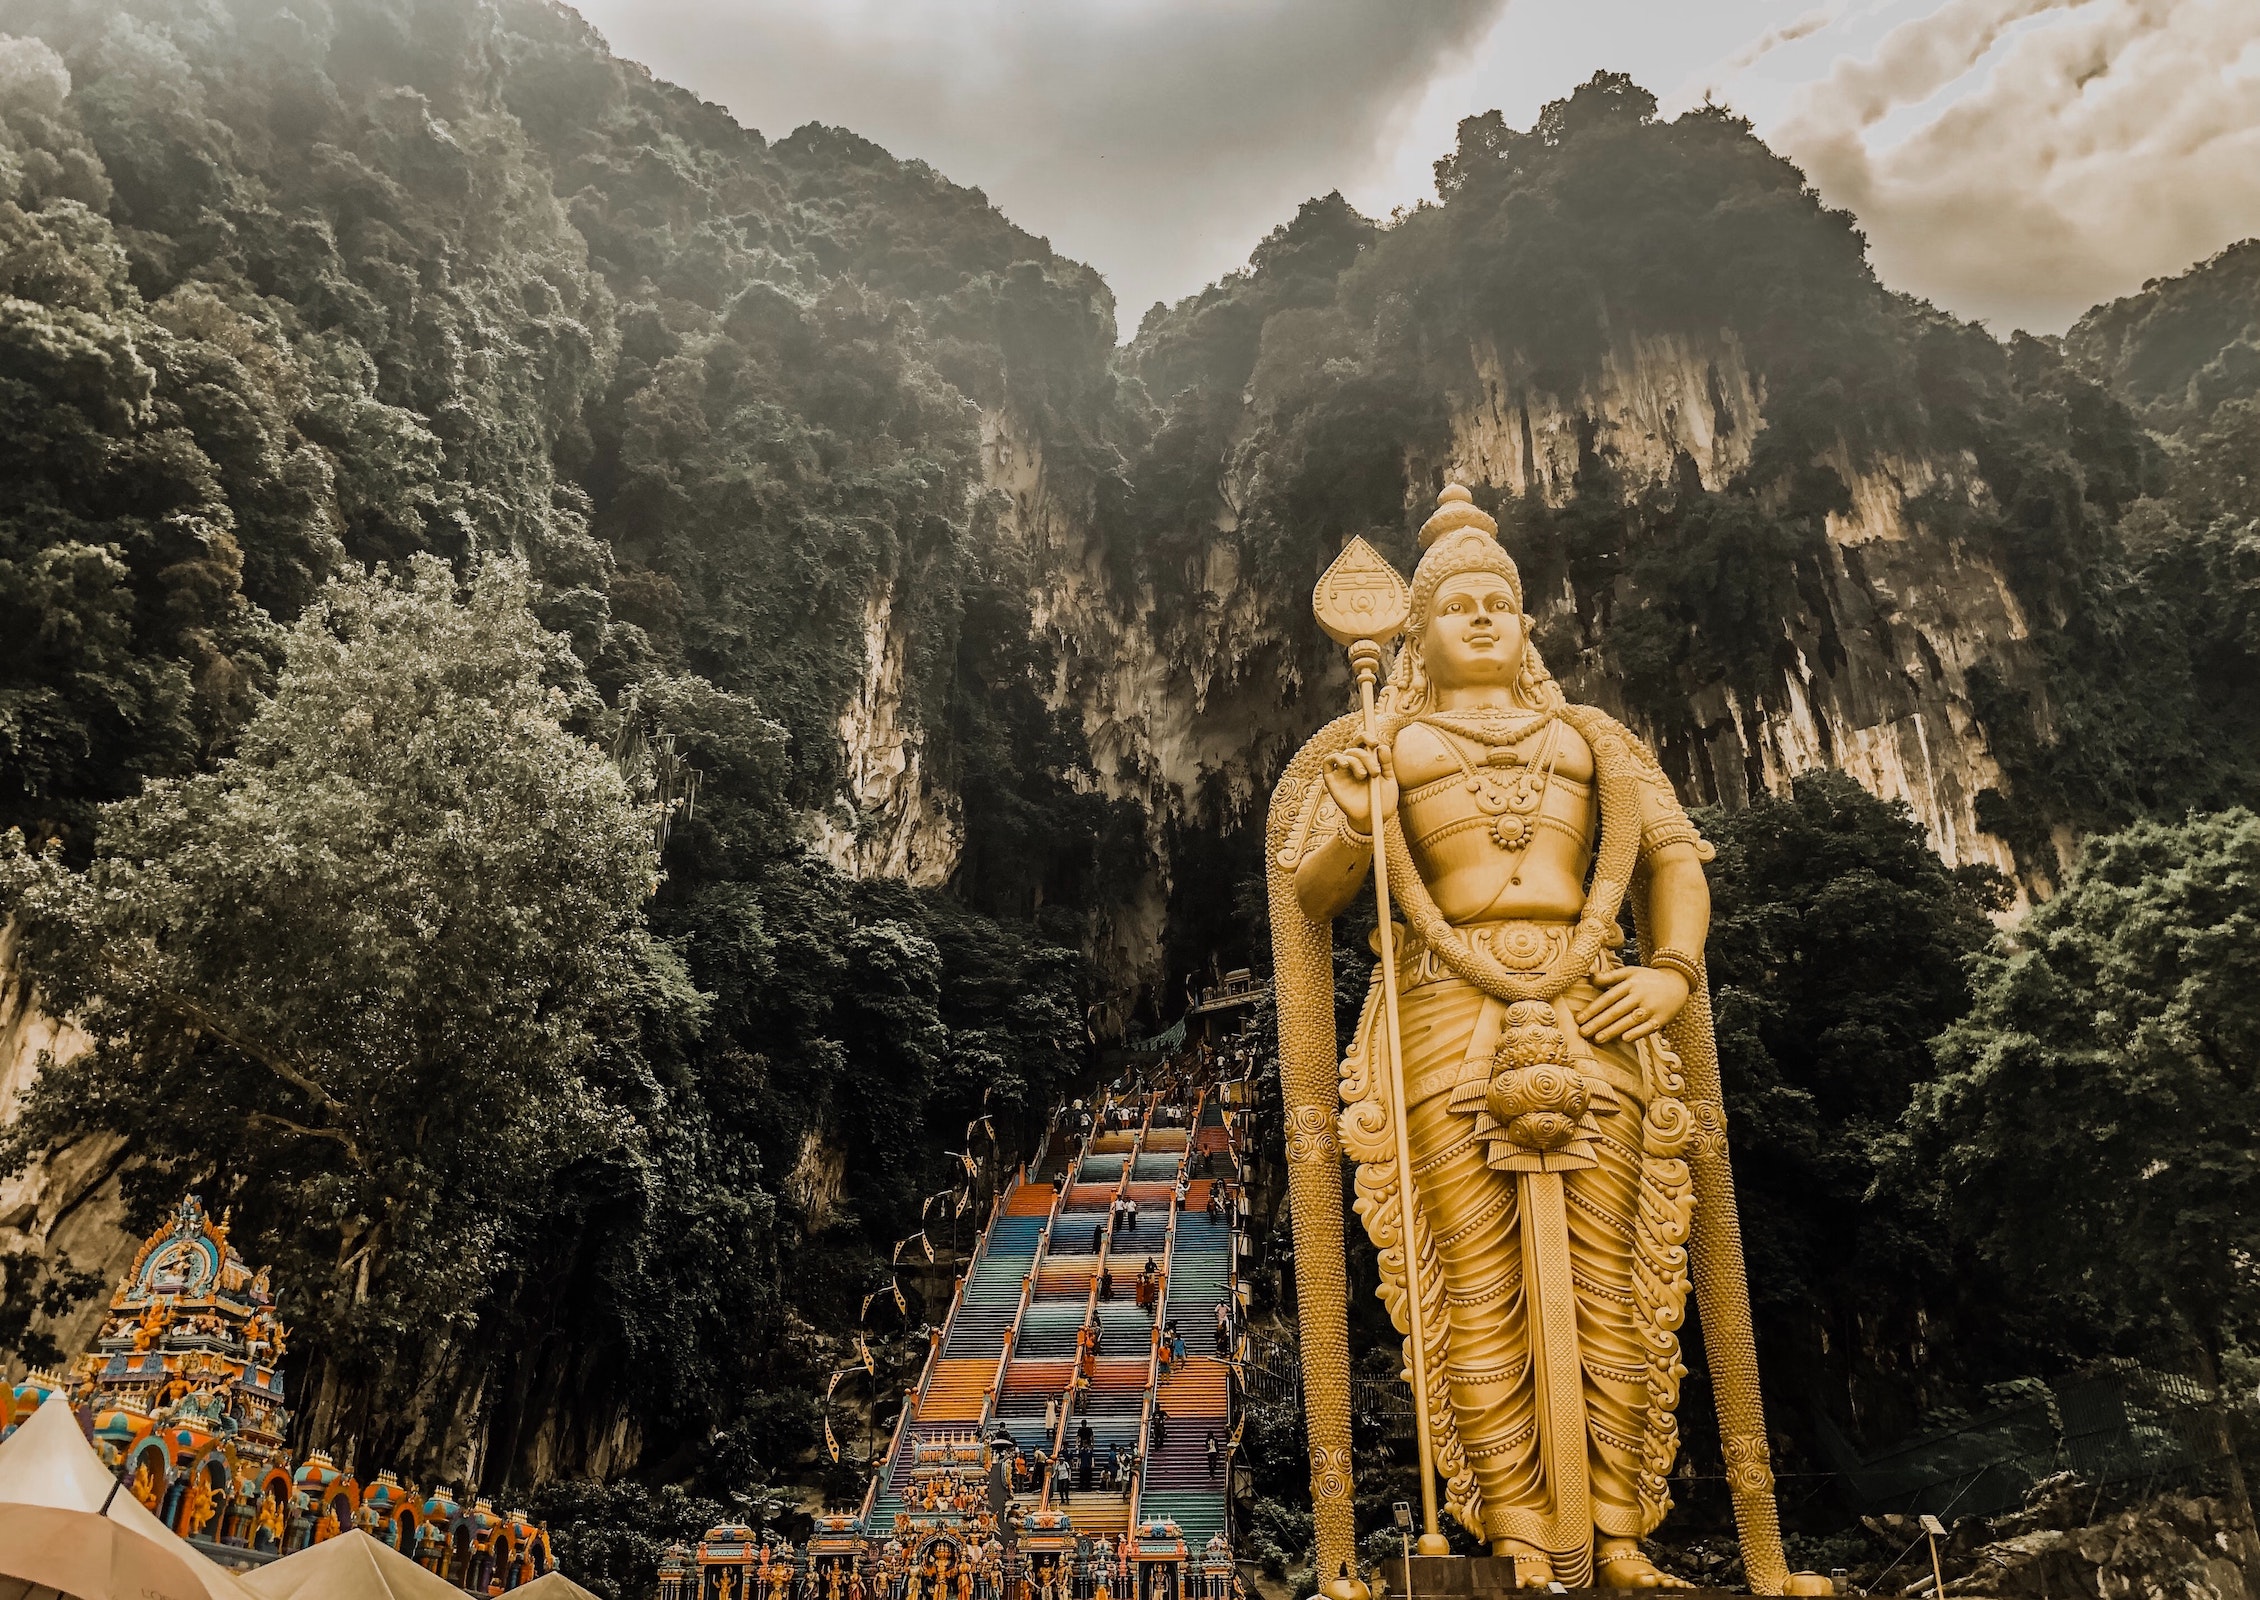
(376, 971)
(2092, 1128)
(1839, 948)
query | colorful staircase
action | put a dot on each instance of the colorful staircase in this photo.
(1008, 1346)
(1196, 1398)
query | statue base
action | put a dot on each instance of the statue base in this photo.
(1493, 1578)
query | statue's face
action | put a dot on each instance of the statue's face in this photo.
(1474, 636)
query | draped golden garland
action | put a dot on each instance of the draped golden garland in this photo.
(1303, 973)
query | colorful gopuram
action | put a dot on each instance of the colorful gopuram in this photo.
(182, 1396)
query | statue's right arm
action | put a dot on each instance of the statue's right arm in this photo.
(1331, 872)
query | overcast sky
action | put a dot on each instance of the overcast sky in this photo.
(2016, 160)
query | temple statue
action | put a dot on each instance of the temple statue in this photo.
(1561, 1123)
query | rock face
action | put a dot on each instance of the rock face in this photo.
(889, 821)
(1873, 674)
(68, 1206)
(1656, 400)
(2187, 1548)
(1189, 706)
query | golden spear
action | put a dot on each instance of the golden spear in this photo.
(1361, 601)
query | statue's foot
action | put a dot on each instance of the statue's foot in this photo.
(1533, 1570)
(1618, 1564)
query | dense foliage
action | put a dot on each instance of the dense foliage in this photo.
(1839, 948)
(386, 280)
(378, 976)
(2091, 1133)
(778, 438)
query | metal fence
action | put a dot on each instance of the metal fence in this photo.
(1274, 1372)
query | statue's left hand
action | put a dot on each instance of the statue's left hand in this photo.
(1633, 1003)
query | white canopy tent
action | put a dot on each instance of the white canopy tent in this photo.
(351, 1566)
(551, 1586)
(68, 1528)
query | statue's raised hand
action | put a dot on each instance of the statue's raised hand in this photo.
(1349, 779)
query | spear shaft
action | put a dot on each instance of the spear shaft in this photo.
(1365, 658)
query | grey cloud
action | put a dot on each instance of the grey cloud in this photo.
(2111, 141)
(1156, 138)
(1713, 80)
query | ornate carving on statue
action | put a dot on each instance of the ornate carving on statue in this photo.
(1552, 1104)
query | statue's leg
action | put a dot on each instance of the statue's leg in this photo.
(1614, 1325)
(1471, 1212)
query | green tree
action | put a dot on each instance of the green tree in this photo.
(2092, 1132)
(370, 976)
(1839, 947)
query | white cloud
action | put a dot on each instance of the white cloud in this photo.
(2061, 151)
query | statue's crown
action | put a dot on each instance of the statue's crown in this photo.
(1458, 537)
(1456, 509)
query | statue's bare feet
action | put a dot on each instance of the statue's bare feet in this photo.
(1533, 1570)
(1618, 1564)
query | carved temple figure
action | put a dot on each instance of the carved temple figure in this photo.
(150, 1332)
(1565, 1135)
(198, 1506)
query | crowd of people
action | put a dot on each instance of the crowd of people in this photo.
(1155, 1097)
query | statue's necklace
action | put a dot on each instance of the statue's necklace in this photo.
(1510, 788)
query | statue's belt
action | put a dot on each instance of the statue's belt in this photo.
(1521, 946)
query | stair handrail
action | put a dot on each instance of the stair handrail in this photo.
(1091, 1295)
(1233, 1399)
(1161, 1315)
(997, 1209)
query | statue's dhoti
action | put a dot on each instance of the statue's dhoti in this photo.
(1562, 1262)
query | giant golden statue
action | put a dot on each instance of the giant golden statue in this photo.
(1564, 1137)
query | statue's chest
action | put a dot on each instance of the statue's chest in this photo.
(1474, 791)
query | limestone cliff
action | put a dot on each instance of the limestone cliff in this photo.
(1189, 698)
(1189, 705)
(68, 1208)
(1872, 676)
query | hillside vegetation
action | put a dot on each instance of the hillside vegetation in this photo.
(326, 331)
